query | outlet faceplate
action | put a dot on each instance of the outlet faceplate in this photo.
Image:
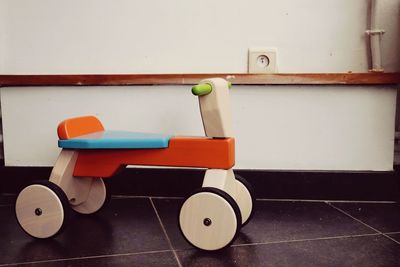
(262, 60)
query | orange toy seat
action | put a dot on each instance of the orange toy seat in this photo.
(200, 152)
(78, 126)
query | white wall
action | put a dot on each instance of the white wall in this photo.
(277, 127)
(180, 36)
(308, 128)
(3, 27)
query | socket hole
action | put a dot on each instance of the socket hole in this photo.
(262, 61)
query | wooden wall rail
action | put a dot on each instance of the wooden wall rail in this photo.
(165, 79)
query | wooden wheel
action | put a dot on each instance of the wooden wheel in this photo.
(209, 219)
(42, 209)
(98, 196)
(245, 198)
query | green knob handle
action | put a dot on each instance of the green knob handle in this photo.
(202, 89)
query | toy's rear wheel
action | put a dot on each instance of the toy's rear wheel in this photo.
(98, 196)
(42, 209)
(209, 219)
(245, 199)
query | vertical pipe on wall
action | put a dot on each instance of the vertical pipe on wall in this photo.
(375, 35)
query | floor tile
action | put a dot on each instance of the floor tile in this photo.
(156, 259)
(274, 221)
(7, 199)
(356, 251)
(168, 209)
(125, 226)
(395, 236)
(384, 217)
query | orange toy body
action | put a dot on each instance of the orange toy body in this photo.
(198, 152)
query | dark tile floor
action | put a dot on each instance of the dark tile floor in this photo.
(144, 232)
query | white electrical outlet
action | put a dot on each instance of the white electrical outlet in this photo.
(262, 60)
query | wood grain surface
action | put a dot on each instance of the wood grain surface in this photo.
(188, 79)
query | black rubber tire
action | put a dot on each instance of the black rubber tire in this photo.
(64, 202)
(108, 194)
(231, 202)
(252, 194)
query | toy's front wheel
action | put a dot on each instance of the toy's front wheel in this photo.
(209, 219)
(42, 209)
(98, 196)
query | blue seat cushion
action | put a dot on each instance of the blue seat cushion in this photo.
(116, 139)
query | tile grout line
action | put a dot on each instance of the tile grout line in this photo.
(354, 218)
(85, 258)
(363, 223)
(326, 200)
(153, 197)
(268, 199)
(165, 233)
(391, 233)
(306, 239)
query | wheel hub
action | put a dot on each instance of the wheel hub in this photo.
(207, 221)
(38, 211)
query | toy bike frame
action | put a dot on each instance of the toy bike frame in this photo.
(209, 219)
(75, 170)
(216, 151)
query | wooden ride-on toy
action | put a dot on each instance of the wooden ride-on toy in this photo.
(209, 218)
